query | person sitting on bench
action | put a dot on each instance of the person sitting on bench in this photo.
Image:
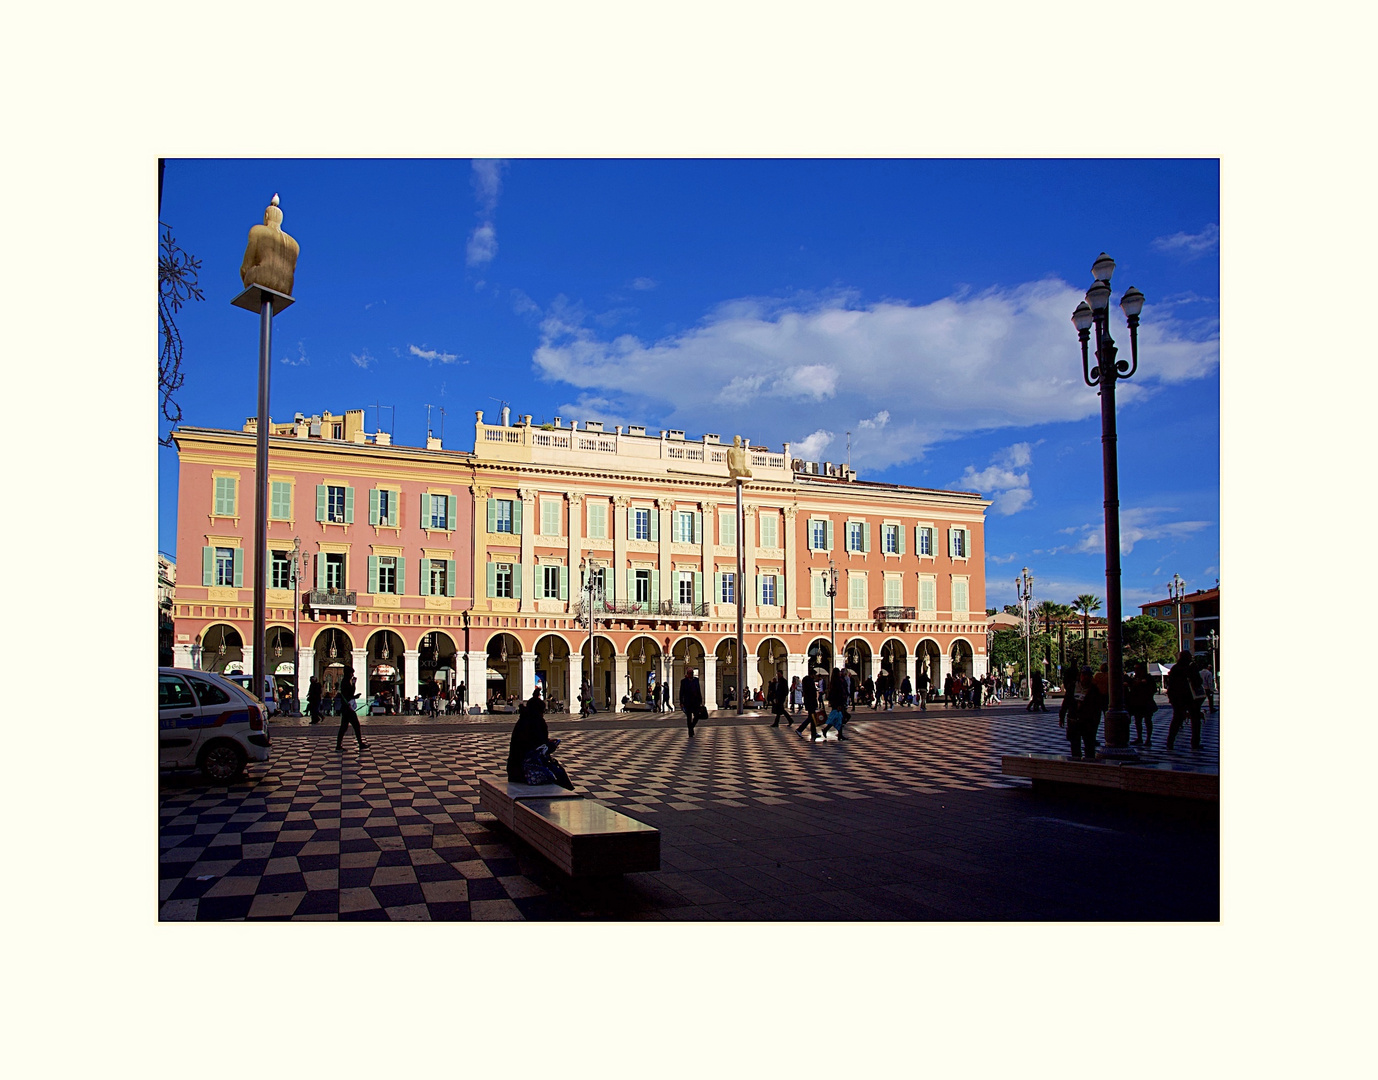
(528, 754)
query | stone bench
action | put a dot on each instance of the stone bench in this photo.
(580, 836)
(1140, 777)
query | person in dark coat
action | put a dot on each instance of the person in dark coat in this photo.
(809, 690)
(1085, 718)
(691, 699)
(313, 700)
(837, 699)
(1185, 694)
(529, 732)
(348, 717)
(1036, 693)
(1140, 703)
(779, 700)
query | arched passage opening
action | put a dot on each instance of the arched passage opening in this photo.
(504, 671)
(222, 649)
(596, 680)
(553, 673)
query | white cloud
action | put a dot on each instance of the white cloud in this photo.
(487, 181)
(301, 356)
(1008, 490)
(811, 447)
(483, 245)
(1191, 245)
(1136, 524)
(878, 421)
(1004, 358)
(523, 304)
(644, 283)
(363, 359)
(431, 355)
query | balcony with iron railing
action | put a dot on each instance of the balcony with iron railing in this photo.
(894, 614)
(332, 599)
(665, 609)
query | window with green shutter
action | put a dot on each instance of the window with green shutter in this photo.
(225, 490)
(928, 594)
(280, 504)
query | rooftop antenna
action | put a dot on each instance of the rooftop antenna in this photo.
(849, 450)
(429, 407)
(378, 417)
(442, 423)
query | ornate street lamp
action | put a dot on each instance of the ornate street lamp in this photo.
(1094, 311)
(1176, 589)
(1023, 588)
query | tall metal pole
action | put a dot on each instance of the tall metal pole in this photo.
(265, 349)
(741, 601)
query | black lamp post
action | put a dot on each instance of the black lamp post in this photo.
(1095, 311)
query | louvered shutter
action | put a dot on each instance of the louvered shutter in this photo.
(425, 578)
(516, 581)
(631, 523)
(349, 506)
(717, 588)
(899, 535)
(320, 502)
(492, 514)
(492, 579)
(655, 590)
(449, 577)
(828, 540)
(373, 573)
(758, 590)
(208, 566)
(698, 587)
(654, 514)
(698, 528)
(401, 576)
(320, 570)
(564, 583)
(373, 506)
(866, 537)
(239, 568)
(950, 546)
(516, 516)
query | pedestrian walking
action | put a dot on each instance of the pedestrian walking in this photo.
(1141, 703)
(1208, 684)
(947, 690)
(838, 700)
(796, 695)
(809, 696)
(348, 717)
(1071, 678)
(313, 700)
(923, 683)
(1185, 694)
(1036, 693)
(906, 691)
(1082, 725)
(976, 687)
(691, 699)
(779, 700)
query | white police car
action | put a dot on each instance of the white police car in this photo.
(270, 690)
(206, 722)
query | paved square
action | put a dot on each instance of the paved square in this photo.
(909, 818)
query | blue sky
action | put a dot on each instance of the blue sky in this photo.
(922, 305)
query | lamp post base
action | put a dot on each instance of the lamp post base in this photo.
(1117, 730)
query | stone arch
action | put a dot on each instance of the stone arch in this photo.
(503, 670)
(554, 671)
(604, 649)
(329, 669)
(437, 657)
(729, 670)
(385, 662)
(962, 655)
(928, 658)
(859, 658)
(820, 655)
(686, 653)
(772, 659)
(894, 657)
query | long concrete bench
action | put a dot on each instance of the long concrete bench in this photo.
(580, 836)
(1144, 778)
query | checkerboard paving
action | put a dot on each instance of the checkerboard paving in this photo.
(394, 831)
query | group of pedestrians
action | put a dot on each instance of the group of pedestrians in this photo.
(1087, 696)
(969, 692)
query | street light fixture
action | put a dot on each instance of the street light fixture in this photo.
(832, 611)
(1023, 588)
(1176, 589)
(1094, 311)
(1213, 639)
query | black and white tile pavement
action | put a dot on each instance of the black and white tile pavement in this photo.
(394, 832)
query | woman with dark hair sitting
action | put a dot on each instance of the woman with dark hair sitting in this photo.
(528, 754)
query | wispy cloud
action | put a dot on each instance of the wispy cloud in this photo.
(1007, 488)
(811, 447)
(300, 359)
(483, 241)
(362, 359)
(644, 283)
(1137, 524)
(432, 355)
(1003, 358)
(1190, 245)
(374, 303)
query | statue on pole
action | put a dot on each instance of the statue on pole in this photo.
(270, 259)
(737, 467)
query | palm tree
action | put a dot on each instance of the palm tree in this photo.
(1086, 603)
(1060, 614)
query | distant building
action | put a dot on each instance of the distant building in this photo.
(1200, 615)
(167, 586)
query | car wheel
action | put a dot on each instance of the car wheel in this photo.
(222, 762)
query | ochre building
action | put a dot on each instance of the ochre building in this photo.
(498, 567)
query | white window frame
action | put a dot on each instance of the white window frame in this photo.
(224, 568)
(768, 592)
(818, 541)
(684, 527)
(438, 574)
(728, 586)
(929, 531)
(641, 518)
(964, 583)
(889, 531)
(389, 563)
(685, 586)
(501, 570)
(331, 515)
(860, 535)
(550, 574)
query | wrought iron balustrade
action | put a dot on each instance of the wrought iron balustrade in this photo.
(665, 609)
(332, 598)
(894, 614)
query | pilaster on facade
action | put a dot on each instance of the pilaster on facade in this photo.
(575, 529)
(709, 681)
(619, 679)
(616, 577)
(666, 509)
(359, 658)
(709, 512)
(528, 535)
(796, 666)
(528, 674)
(308, 665)
(476, 677)
(411, 663)
(748, 542)
(481, 492)
(791, 545)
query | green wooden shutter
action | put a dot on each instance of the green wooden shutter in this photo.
(349, 506)
(373, 573)
(655, 590)
(239, 568)
(401, 575)
(516, 581)
(631, 522)
(698, 587)
(492, 579)
(564, 583)
(808, 534)
(899, 535)
(449, 511)
(828, 540)
(449, 577)
(425, 577)
(759, 601)
(516, 516)
(208, 566)
(717, 588)
(492, 514)
(866, 537)
(698, 527)
(631, 584)
(966, 544)
(320, 502)
(654, 514)
(320, 570)
(373, 506)
(609, 583)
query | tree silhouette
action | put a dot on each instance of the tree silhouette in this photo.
(1086, 603)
